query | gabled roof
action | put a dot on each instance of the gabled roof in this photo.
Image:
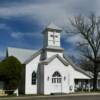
(33, 56)
(53, 26)
(47, 61)
(25, 56)
(21, 54)
(67, 61)
(76, 67)
(90, 73)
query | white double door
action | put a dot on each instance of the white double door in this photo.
(57, 85)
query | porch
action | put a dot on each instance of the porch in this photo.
(83, 85)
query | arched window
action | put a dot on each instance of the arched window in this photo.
(33, 78)
(56, 77)
(56, 74)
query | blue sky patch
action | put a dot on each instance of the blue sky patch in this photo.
(22, 21)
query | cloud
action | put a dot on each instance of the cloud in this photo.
(44, 12)
(72, 53)
(50, 10)
(19, 35)
(74, 39)
(16, 35)
(4, 26)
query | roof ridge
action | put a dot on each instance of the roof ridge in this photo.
(53, 26)
(75, 67)
(47, 61)
(21, 54)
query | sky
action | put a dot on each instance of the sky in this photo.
(22, 21)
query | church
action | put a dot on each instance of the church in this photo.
(47, 70)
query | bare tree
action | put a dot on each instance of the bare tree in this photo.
(89, 30)
(86, 65)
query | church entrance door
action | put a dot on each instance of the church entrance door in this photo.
(57, 82)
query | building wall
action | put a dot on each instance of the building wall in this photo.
(50, 41)
(71, 78)
(30, 67)
(51, 53)
(53, 41)
(44, 77)
(49, 87)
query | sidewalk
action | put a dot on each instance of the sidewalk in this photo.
(50, 96)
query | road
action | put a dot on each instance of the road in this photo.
(55, 98)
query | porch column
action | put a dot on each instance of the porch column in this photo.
(89, 87)
(97, 84)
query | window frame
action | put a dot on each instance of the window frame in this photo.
(56, 78)
(34, 78)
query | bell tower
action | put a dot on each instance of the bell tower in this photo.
(51, 42)
(52, 36)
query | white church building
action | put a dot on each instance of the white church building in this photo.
(47, 71)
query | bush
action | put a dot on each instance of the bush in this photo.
(10, 72)
(9, 92)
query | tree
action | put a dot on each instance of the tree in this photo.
(88, 28)
(86, 65)
(10, 72)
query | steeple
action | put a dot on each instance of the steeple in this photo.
(51, 43)
(54, 27)
(52, 36)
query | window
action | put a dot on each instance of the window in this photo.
(52, 35)
(56, 77)
(33, 78)
(56, 36)
(56, 74)
(64, 78)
